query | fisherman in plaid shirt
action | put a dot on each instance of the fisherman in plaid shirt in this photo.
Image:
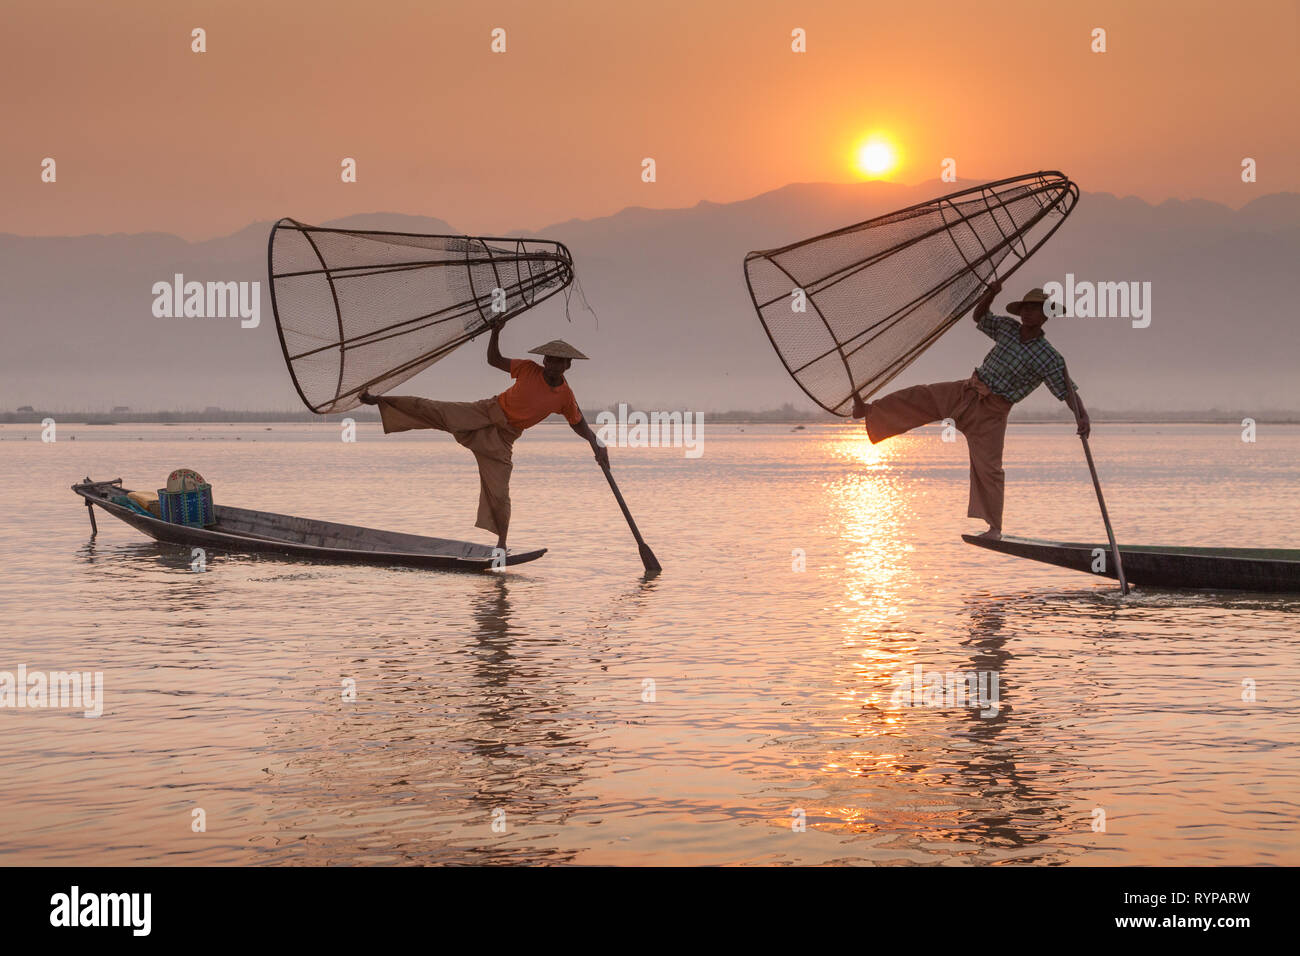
(1021, 360)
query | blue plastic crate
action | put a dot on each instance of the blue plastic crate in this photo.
(192, 508)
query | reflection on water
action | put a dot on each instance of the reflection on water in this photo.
(912, 783)
(572, 711)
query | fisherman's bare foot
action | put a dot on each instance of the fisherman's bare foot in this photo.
(993, 534)
(368, 399)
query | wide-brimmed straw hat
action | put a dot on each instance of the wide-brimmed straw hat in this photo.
(1033, 298)
(558, 348)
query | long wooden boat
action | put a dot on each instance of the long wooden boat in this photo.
(1236, 569)
(241, 531)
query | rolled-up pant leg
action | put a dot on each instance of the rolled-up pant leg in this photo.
(913, 407)
(405, 412)
(482, 428)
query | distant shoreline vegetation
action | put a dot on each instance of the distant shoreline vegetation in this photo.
(787, 414)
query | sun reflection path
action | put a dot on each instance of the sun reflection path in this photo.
(868, 510)
(918, 784)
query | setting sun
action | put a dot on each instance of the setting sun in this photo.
(875, 157)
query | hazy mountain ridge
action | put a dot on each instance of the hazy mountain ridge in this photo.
(675, 326)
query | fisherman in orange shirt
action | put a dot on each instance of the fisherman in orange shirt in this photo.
(490, 427)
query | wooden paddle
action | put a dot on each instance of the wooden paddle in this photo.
(648, 558)
(1105, 515)
(1110, 533)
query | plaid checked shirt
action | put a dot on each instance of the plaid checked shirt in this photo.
(1013, 368)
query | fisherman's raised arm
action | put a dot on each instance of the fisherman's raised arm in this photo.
(494, 356)
(986, 301)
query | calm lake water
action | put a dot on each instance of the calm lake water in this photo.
(693, 718)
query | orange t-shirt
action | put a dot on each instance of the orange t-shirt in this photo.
(530, 399)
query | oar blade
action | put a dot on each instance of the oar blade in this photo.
(652, 565)
(648, 558)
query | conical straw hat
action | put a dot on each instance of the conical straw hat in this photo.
(559, 348)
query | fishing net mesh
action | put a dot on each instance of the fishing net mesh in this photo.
(362, 310)
(875, 295)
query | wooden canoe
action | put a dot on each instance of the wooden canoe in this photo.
(1236, 569)
(241, 531)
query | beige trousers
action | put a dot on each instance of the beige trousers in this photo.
(479, 426)
(979, 414)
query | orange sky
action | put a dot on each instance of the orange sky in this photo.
(149, 136)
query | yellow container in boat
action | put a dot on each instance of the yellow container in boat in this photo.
(146, 500)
